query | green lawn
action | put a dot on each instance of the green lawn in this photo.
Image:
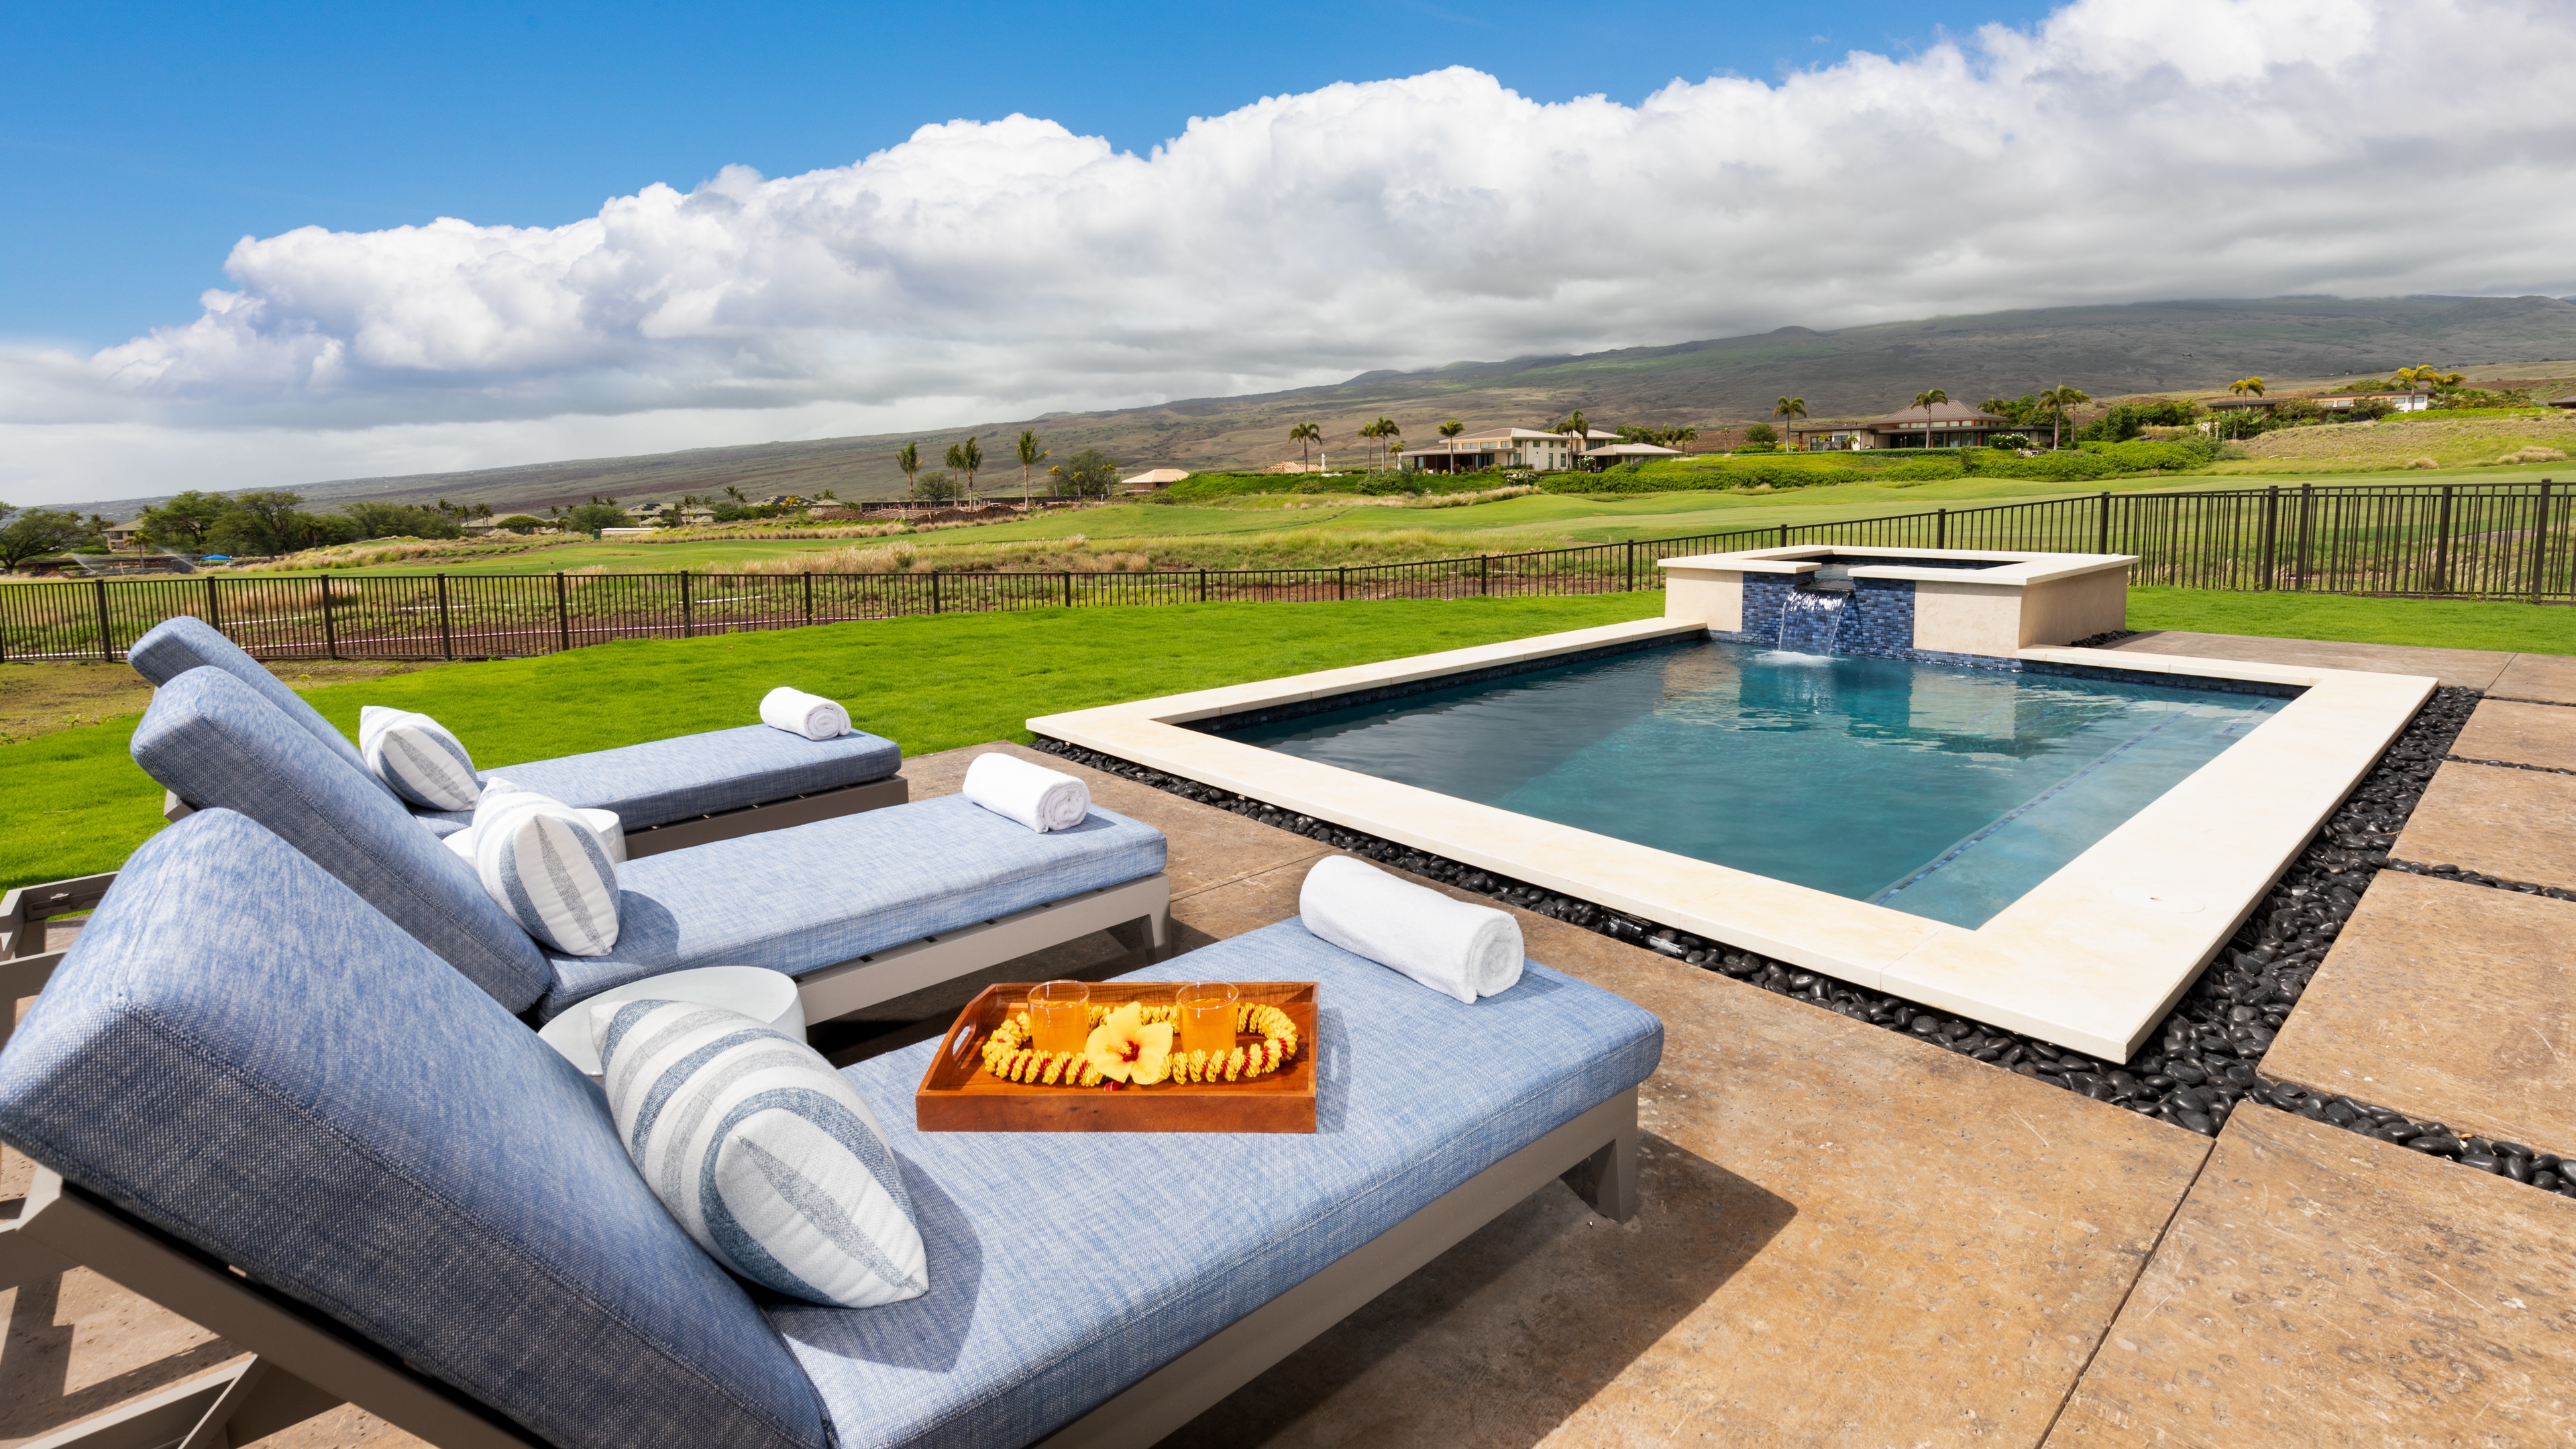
(2442, 623)
(79, 804)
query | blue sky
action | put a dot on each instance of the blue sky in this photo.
(140, 141)
(221, 263)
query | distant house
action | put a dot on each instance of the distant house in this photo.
(1150, 480)
(2563, 402)
(1294, 468)
(1629, 453)
(1941, 425)
(123, 535)
(2398, 402)
(1527, 449)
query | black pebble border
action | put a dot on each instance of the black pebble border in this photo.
(2096, 641)
(2470, 877)
(2194, 1069)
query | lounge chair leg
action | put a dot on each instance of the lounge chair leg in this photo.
(246, 1403)
(1158, 928)
(1608, 1178)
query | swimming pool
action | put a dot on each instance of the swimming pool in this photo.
(2090, 957)
(1941, 791)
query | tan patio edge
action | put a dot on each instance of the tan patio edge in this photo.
(2091, 958)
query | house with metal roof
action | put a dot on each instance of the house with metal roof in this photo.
(1523, 449)
(1941, 425)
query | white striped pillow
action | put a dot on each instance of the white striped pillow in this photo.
(761, 1151)
(418, 757)
(543, 862)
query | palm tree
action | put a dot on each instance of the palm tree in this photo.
(2246, 385)
(1387, 429)
(730, 492)
(2061, 397)
(909, 460)
(1789, 408)
(966, 457)
(1577, 427)
(1925, 400)
(1301, 435)
(1030, 456)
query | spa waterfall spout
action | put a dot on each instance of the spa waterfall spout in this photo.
(1810, 619)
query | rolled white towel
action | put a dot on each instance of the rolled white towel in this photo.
(799, 713)
(1037, 797)
(1450, 946)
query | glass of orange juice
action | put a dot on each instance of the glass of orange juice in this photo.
(1060, 1016)
(1207, 1016)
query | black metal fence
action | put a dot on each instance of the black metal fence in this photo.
(2493, 541)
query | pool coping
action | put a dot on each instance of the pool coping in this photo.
(2091, 958)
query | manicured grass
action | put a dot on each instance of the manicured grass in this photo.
(2442, 623)
(79, 805)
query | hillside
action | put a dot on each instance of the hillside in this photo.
(2109, 351)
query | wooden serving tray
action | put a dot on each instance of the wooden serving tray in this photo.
(958, 1095)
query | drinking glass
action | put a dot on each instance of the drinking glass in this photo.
(1207, 1016)
(1060, 1016)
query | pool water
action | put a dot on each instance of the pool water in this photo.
(1940, 791)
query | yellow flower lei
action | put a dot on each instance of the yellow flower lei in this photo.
(1005, 1057)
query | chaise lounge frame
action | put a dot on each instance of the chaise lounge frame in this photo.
(303, 1365)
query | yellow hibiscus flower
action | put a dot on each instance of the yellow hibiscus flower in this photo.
(1125, 1049)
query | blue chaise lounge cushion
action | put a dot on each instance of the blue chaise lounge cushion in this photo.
(240, 1052)
(1066, 1266)
(175, 646)
(663, 781)
(811, 896)
(217, 743)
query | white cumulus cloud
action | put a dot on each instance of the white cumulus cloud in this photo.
(2116, 152)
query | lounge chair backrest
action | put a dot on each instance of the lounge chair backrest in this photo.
(242, 1053)
(217, 743)
(175, 646)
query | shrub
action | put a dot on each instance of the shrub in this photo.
(1924, 470)
(2422, 463)
(521, 523)
(401, 520)
(1761, 433)
(592, 517)
(1090, 473)
(2533, 455)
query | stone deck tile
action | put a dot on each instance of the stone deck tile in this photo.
(2521, 734)
(2550, 677)
(2451, 1003)
(2471, 668)
(2517, 825)
(2321, 1288)
(1847, 1237)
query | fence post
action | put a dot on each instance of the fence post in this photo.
(1341, 584)
(563, 615)
(1484, 577)
(1203, 586)
(330, 631)
(809, 597)
(688, 621)
(2307, 533)
(212, 622)
(2540, 542)
(934, 591)
(1784, 535)
(1068, 588)
(446, 635)
(2102, 525)
(2271, 538)
(1632, 568)
(1941, 528)
(106, 636)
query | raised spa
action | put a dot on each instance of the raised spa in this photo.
(1942, 791)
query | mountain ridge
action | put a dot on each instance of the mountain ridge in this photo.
(2110, 350)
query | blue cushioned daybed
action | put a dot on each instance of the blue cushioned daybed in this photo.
(666, 793)
(860, 908)
(432, 1216)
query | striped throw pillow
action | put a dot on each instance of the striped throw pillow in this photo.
(417, 756)
(543, 862)
(762, 1152)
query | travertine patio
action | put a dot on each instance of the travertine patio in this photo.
(1851, 1237)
